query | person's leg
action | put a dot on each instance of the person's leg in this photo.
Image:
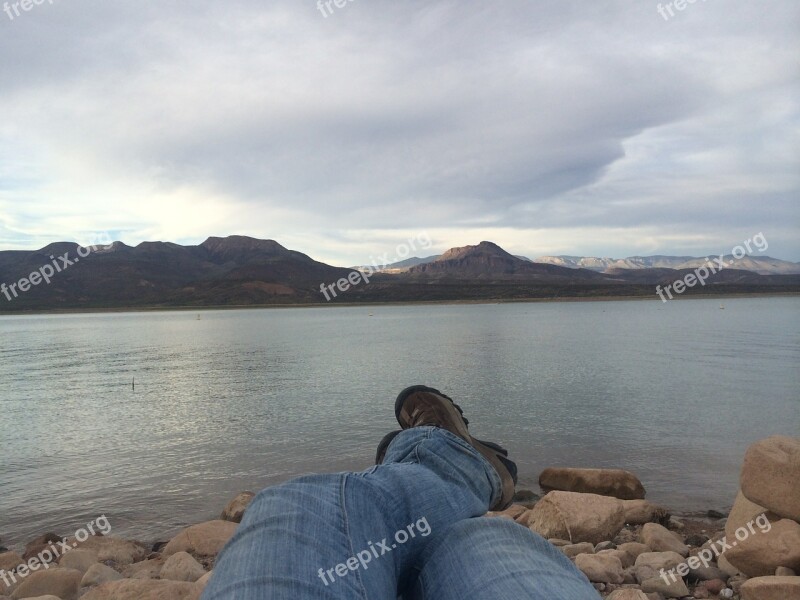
(294, 535)
(493, 558)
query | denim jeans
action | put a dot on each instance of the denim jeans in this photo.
(410, 527)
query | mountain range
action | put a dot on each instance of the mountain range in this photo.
(244, 271)
(763, 265)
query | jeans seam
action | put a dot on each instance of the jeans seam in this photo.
(348, 533)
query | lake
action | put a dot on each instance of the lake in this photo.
(240, 399)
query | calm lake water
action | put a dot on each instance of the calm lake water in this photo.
(242, 399)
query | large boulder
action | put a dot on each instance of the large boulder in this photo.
(577, 517)
(204, 540)
(63, 583)
(10, 561)
(743, 512)
(605, 482)
(234, 510)
(771, 588)
(661, 539)
(144, 589)
(762, 552)
(771, 475)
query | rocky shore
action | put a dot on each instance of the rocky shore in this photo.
(628, 547)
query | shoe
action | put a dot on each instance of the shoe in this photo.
(420, 406)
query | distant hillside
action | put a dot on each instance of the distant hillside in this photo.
(763, 265)
(244, 271)
(489, 261)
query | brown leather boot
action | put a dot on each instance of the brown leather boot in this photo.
(420, 406)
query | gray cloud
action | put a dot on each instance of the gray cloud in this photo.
(386, 117)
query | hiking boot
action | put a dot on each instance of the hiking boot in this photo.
(421, 406)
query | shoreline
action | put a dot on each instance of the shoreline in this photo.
(564, 299)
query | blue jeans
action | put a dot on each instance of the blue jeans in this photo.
(411, 527)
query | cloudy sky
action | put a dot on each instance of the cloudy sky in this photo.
(548, 126)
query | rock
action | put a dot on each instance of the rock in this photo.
(642, 573)
(205, 539)
(605, 546)
(98, 574)
(708, 573)
(715, 586)
(726, 593)
(512, 512)
(57, 581)
(634, 549)
(203, 581)
(526, 497)
(39, 544)
(626, 594)
(761, 553)
(743, 512)
(771, 588)
(626, 535)
(10, 561)
(771, 475)
(558, 543)
(181, 566)
(673, 589)
(659, 560)
(147, 569)
(661, 539)
(785, 572)
(676, 524)
(577, 517)
(78, 559)
(726, 567)
(119, 551)
(144, 589)
(575, 549)
(605, 482)
(234, 510)
(715, 514)
(624, 557)
(638, 512)
(600, 568)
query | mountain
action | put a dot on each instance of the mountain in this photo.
(763, 265)
(489, 261)
(244, 271)
(236, 270)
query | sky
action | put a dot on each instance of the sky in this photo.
(605, 128)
